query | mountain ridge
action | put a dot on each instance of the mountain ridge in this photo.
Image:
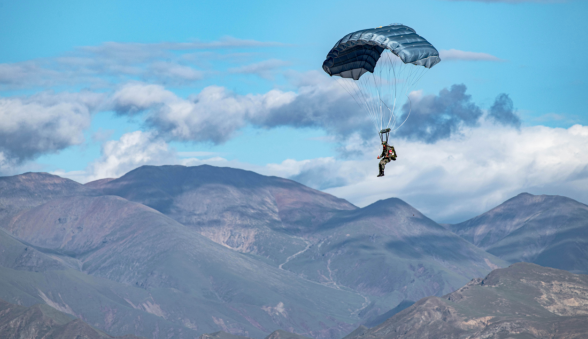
(522, 301)
(202, 249)
(548, 230)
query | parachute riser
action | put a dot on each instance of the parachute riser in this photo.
(385, 135)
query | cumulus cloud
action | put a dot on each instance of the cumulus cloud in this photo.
(502, 111)
(49, 122)
(138, 97)
(44, 123)
(132, 150)
(216, 114)
(454, 54)
(433, 118)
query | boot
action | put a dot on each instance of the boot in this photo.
(380, 175)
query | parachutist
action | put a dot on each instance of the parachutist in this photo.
(378, 67)
(388, 154)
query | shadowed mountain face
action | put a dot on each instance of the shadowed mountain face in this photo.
(239, 209)
(42, 321)
(191, 281)
(547, 230)
(522, 301)
(390, 252)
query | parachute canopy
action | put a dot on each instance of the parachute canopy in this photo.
(392, 57)
(359, 52)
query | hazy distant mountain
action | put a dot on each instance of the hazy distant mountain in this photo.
(239, 209)
(390, 252)
(548, 230)
(522, 301)
(24, 191)
(43, 321)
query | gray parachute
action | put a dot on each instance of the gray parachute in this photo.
(359, 52)
(394, 58)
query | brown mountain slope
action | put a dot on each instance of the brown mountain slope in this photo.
(521, 301)
(240, 209)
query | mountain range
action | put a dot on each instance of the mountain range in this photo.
(183, 251)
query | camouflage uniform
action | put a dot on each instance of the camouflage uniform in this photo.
(388, 154)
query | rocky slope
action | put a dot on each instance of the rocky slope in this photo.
(547, 230)
(43, 321)
(390, 252)
(521, 301)
(190, 280)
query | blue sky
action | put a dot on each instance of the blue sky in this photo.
(65, 65)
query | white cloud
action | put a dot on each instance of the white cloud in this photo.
(169, 71)
(214, 114)
(137, 97)
(110, 63)
(217, 114)
(468, 174)
(130, 51)
(44, 123)
(454, 54)
(132, 150)
(263, 69)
